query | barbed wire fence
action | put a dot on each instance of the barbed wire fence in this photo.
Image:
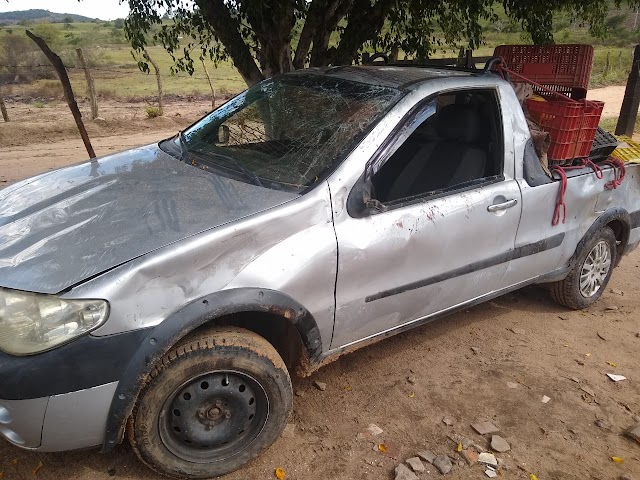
(21, 76)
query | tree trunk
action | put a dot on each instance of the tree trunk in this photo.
(273, 23)
(322, 16)
(3, 109)
(631, 101)
(364, 22)
(90, 86)
(56, 61)
(213, 92)
(227, 29)
(158, 80)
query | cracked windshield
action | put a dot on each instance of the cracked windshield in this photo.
(285, 133)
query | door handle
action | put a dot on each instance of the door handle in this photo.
(502, 206)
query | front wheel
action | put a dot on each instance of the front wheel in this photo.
(211, 405)
(588, 279)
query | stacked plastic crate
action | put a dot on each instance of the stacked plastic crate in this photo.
(559, 75)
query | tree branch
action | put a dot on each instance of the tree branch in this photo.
(365, 22)
(226, 27)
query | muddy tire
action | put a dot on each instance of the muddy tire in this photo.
(211, 405)
(588, 279)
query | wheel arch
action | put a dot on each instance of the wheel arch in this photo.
(281, 320)
(619, 220)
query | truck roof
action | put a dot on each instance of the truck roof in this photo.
(392, 76)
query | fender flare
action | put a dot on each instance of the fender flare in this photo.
(608, 216)
(189, 317)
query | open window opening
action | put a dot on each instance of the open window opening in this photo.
(451, 142)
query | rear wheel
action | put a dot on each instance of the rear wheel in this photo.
(212, 404)
(589, 277)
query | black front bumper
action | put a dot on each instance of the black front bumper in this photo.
(83, 363)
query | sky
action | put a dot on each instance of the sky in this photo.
(102, 9)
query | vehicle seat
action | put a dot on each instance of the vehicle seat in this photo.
(455, 157)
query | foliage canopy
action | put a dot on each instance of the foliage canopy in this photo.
(266, 37)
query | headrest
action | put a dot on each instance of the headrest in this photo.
(458, 123)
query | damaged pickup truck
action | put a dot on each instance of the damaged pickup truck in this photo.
(166, 293)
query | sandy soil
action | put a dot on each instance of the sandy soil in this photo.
(553, 347)
(611, 96)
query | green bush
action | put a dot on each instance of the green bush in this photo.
(153, 112)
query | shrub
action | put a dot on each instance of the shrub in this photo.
(153, 112)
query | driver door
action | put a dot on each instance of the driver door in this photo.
(414, 257)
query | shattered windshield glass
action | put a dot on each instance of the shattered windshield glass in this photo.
(285, 132)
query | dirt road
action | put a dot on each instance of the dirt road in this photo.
(522, 338)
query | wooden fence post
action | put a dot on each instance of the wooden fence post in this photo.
(90, 86)
(213, 92)
(631, 102)
(3, 109)
(56, 61)
(607, 66)
(158, 79)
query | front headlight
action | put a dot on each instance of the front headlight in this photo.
(32, 323)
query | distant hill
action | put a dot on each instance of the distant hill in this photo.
(38, 15)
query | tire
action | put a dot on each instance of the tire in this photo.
(211, 405)
(569, 292)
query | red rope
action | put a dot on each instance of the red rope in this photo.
(618, 166)
(561, 206)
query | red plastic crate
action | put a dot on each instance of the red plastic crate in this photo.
(562, 68)
(572, 126)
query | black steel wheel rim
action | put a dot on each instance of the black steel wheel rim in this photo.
(213, 416)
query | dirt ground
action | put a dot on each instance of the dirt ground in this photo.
(611, 96)
(522, 338)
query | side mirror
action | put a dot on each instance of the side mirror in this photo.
(361, 201)
(223, 134)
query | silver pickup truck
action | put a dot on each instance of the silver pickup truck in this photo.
(167, 292)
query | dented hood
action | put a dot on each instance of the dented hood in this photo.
(62, 227)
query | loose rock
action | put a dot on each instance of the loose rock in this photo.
(626, 476)
(370, 432)
(403, 473)
(299, 393)
(612, 308)
(415, 464)
(499, 444)
(546, 399)
(447, 421)
(490, 473)
(484, 428)
(636, 418)
(320, 385)
(601, 423)
(476, 350)
(488, 459)
(427, 456)
(470, 456)
(512, 384)
(411, 379)
(443, 464)
(634, 432)
(617, 292)
(517, 331)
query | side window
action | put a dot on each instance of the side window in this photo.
(455, 142)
